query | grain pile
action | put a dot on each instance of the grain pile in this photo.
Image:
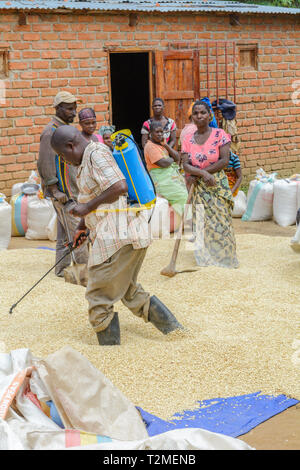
(242, 325)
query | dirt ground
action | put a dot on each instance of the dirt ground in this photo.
(281, 432)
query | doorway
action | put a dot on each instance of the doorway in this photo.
(130, 90)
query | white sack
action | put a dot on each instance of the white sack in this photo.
(51, 228)
(285, 202)
(91, 407)
(16, 189)
(295, 241)
(33, 178)
(39, 214)
(240, 204)
(260, 197)
(8, 439)
(15, 378)
(160, 220)
(178, 439)
(85, 399)
(5, 223)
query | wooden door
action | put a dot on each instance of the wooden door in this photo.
(177, 82)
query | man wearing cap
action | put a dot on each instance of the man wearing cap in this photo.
(58, 178)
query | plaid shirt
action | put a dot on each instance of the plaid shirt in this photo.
(117, 227)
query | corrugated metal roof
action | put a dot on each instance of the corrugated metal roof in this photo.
(144, 5)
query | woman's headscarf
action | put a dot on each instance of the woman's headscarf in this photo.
(86, 113)
(105, 129)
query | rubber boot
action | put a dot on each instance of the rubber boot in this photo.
(111, 335)
(161, 317)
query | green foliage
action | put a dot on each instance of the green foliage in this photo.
(274, 3)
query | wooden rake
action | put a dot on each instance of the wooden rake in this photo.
(170, 270)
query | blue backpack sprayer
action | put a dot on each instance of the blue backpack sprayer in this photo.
(127, 154)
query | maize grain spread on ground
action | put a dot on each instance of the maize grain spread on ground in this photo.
(242, 325)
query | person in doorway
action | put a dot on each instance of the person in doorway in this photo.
(168, 125)
(119, 238)
(105, 134)
(162, 163)
(59, 179)
(88, 123)
(234, 173)
(205, 154)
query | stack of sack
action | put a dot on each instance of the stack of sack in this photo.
(286, 200)
(272, 198)
(32, 215)
(5, 223)
(260, 197)
(295, 241)
(41, 217)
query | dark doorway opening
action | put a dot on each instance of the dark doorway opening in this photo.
(130, 91)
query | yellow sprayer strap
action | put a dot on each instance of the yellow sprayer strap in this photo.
(127, 209)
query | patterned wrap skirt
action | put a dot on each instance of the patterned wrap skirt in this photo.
(212, 223)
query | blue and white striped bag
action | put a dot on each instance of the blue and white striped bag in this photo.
(260, 197)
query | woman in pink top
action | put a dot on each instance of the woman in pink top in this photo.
(205, 154)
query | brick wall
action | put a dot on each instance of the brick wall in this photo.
(68, 51)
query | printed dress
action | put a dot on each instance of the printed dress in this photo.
(212, 206)
(233, 165)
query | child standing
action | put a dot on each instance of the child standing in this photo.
(234, 173)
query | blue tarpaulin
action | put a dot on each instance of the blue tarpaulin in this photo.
(231, 416)
(45, 248)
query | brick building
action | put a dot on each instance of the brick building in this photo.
(117, 56)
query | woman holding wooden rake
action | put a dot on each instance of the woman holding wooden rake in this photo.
(205, 154)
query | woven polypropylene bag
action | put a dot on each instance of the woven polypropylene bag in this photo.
(19, 215)
(39, 214)
(285, 202)
(240, 204)
(5, 223)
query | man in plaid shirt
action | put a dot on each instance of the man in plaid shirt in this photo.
(120, 238)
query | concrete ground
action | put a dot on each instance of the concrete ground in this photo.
(281, 432)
